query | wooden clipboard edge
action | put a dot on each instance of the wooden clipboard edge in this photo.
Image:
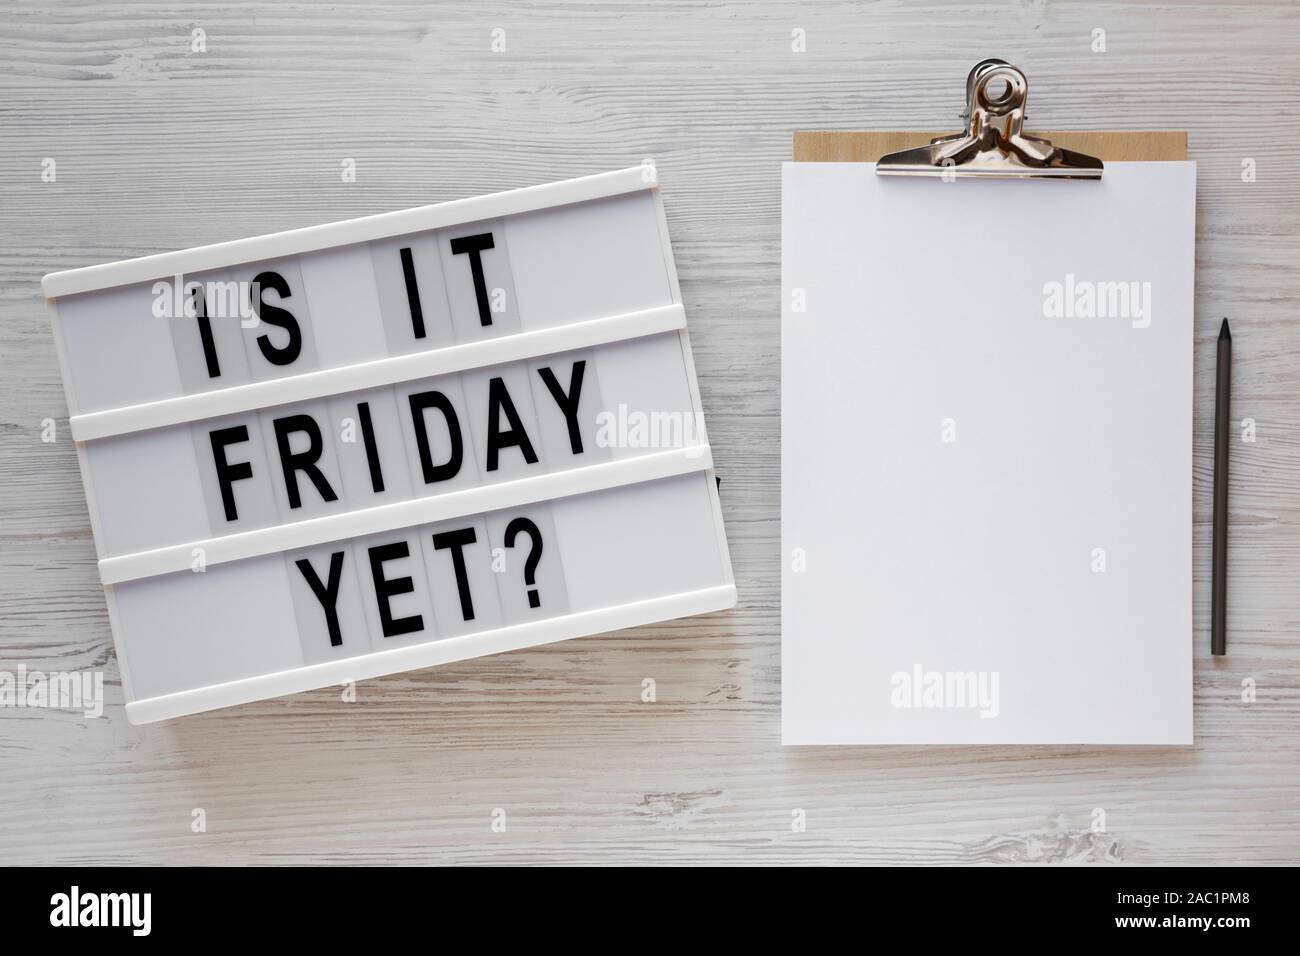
(812, 146)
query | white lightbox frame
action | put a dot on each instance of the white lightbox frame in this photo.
(90, 426)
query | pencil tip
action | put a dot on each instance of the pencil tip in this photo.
(1224, 331)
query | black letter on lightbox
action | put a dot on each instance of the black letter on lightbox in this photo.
(282, 318)
(473, 246)
(305, 461)
(568, 403)
(412, 292)
(327, 594)
(498, 402)
(456, 540)
(205, 331)
(386, 589)
(372, 452)
(449, 468)
(228, 474)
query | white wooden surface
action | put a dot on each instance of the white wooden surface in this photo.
(159, 148)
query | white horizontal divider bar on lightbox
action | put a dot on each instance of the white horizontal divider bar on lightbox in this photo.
(370, 446)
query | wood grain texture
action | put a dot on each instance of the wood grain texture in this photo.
(159, 147)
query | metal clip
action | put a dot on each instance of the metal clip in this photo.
(994, 145)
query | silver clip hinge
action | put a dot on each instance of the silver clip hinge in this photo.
(994, 145)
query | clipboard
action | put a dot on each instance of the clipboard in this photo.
(947, 483)
(990, 115)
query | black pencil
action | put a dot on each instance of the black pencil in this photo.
(1222, 399)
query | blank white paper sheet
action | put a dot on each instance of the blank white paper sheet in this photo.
(986, 457)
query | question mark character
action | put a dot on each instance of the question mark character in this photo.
(513, 529)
